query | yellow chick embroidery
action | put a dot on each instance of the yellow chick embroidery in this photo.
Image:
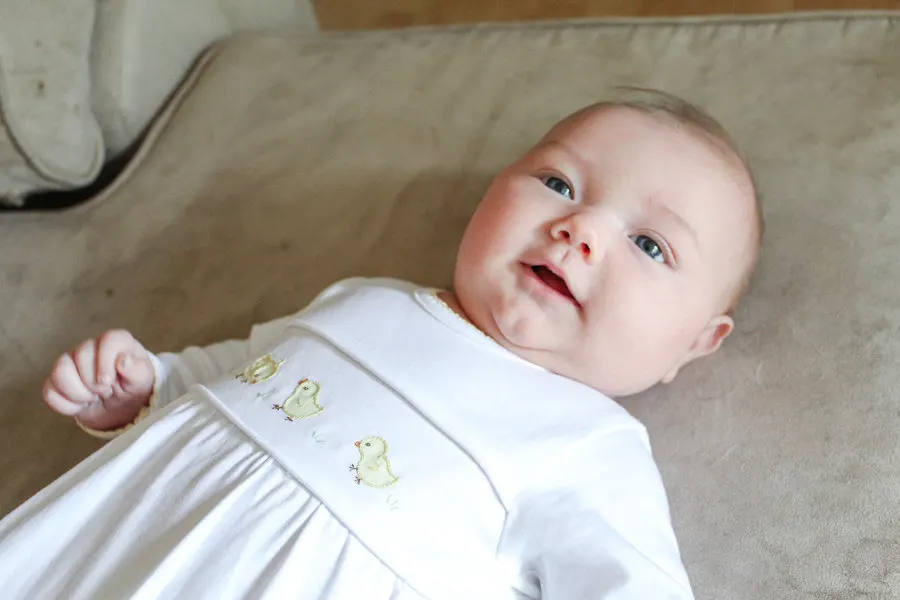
(262, 369)
(374, 467)
(303, 402)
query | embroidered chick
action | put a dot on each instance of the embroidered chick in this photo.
(374, 468)
(303, 402)
(263, 369)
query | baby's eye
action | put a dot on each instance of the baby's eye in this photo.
(559, 186)
(650, 247)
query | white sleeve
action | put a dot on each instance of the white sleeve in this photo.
(606, 536)
(177, 372)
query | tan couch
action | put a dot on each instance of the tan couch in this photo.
(289, 161)
(81, 79)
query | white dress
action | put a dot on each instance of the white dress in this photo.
(186, 505)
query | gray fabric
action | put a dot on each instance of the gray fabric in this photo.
(294, 162)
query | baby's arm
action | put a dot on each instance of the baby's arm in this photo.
(175, 373)
(606, 534)
(110, 383)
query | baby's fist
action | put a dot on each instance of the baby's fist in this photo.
(103, 382)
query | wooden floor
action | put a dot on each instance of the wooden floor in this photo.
(374, 14)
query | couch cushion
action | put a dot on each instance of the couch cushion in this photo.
(48, 136)
(294, 162)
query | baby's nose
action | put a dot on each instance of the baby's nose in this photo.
(576, 232)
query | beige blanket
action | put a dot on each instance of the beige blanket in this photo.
(294, 161)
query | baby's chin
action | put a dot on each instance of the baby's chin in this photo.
(534, 339)
(532, 343)
(524, 332)
(513, 320)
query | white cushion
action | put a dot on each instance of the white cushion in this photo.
(143, 48)
(49, 138)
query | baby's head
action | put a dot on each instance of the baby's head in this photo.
(616, 249)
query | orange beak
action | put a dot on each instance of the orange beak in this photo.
(356, 444)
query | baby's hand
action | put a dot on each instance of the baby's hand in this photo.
(103, 382)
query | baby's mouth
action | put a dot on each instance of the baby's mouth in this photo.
(554, 282)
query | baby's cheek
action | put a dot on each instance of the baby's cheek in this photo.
(499, 217)
(492, 237)
(627, 330)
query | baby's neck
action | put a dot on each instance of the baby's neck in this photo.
(452, 302)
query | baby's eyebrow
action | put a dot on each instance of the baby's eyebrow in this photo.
(570, 152)
(674, 216)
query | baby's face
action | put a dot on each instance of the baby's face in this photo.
(608, 252)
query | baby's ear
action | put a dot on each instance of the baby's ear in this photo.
(712, 337)
(709, 340)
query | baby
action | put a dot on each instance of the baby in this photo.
(396, 442)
